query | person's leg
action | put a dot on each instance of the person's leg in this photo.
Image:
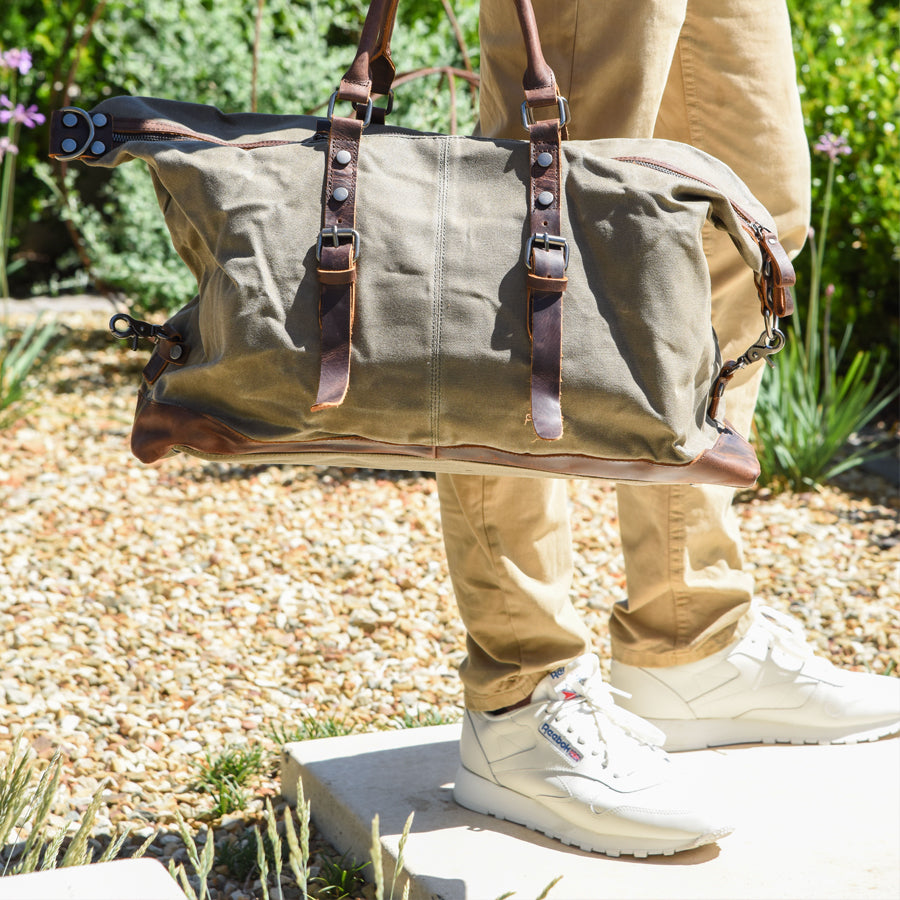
(611, 61)
(683, 651)
(569, 762)
(510, 558)
(736, 98)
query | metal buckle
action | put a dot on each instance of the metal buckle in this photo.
(546, 241)
(77, 111)
(335, 234)
(562, 106)
(368, 117)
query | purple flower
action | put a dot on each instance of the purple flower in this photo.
(16, 58)
(28, 117)
(832, 146)
(7, 146)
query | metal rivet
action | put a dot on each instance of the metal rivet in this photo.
(545, 159)
(545, 198)
(70, 120)
(99, 120)
(175, 352)
(342, 157)
(340, 194)
(98, 148)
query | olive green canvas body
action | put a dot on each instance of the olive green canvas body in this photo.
(441, 349)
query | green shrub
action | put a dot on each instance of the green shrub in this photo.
(819, 395)
(849, 73)
(22, 355)
(203, 51)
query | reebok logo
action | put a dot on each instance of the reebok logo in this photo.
(561, 743)
(558, 672)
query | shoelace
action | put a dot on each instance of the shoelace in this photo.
(786, 632)
(597, 696)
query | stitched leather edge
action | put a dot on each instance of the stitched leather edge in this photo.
(161, 429)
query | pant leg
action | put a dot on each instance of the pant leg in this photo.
(507, 539)
(731, 92)
(510, 558)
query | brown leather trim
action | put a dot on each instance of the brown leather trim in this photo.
(160, 429)
(545, 309)
(730, 462)
(546, 280)
(372, 69)
(337, 264)
(540, 283)
(341, 276)
(539, 81)
(80, 132)
(782, 274)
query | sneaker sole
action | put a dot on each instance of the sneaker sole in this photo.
(698, 734)
(488, 798)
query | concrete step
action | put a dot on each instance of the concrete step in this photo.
(126, 879)
(812, 822)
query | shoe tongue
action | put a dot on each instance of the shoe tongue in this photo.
(567, 682)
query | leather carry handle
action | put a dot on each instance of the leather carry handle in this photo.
(372, 70)
(546, 254)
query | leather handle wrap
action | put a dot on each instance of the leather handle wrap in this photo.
(372, 70)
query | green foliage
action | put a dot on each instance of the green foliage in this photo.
(225, 776)
(201, 861)
(310, 728)
(377, 866)
(808, 411)
(340, 878)
(813, 403)
(424, 719)
(19, 358)
(26, 805)
(849, 73)
(203, 51)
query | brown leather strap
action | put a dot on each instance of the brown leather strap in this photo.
(548, 256)
(539, 81)
(546, 350)
(775, 281)
(337, 249)
(372, 70)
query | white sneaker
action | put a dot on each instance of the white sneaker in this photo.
(768, 687)
(576, 767)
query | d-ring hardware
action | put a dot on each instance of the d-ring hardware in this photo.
(86, 144)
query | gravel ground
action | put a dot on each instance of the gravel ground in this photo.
(154, 615)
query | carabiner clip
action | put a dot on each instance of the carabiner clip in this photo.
(135, 330)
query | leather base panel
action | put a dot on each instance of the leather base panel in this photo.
(161, 429)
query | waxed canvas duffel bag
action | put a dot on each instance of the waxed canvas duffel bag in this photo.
(374, 296)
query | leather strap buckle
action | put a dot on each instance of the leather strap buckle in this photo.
(546, 242)
(562, 106)
(336, 235)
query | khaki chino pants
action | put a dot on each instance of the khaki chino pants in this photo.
(720, 75)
